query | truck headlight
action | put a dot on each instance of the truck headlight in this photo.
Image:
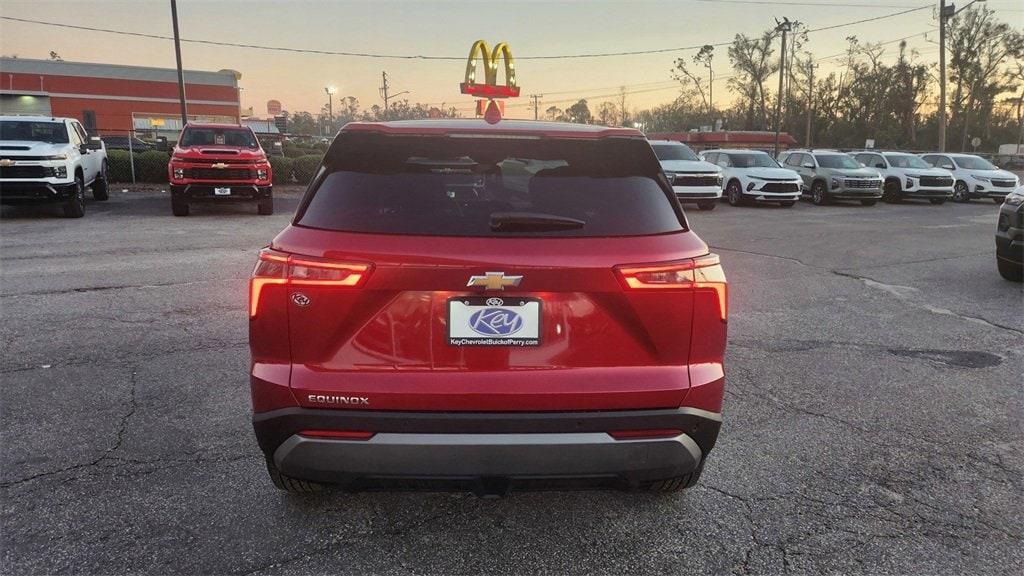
(1014, 199)
(261, 174)
(60, 171)
(58, 157)
(836, 183)
(179, 173)
(910, 183)
(720, 180)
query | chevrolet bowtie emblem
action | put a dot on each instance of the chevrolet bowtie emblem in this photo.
(220, 165)
(494, 281)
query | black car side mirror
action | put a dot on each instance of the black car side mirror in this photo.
(83, 149)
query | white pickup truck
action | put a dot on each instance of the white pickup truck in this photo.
(50, 160)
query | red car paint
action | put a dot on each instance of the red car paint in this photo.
(604, 345)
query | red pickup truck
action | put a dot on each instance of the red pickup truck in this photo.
(219, 163)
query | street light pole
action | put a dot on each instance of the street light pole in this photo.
(945, 13)
(330, 106)
(784, 26)
(177, 56)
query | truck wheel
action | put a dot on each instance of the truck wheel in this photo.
(74, 207)
(100, 190)
(179, 208)
(937, 201)
(1010, 270)
(733, 193)
(265, 207)
(674, 484)
(706, 205)
(891, 191)
(960, 193)
(292, 485)
(818, 194)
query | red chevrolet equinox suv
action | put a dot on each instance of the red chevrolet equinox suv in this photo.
(487, 307)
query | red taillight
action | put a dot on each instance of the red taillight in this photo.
(644, 434)
(278, 268)
(338, 434)
(704, 272)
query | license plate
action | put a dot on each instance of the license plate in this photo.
(222, 191)
(493, 321)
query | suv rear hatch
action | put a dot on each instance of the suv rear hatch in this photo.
(490, 273)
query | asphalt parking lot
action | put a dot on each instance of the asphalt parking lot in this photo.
(872, 418)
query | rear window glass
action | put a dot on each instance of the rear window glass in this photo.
(496, 187)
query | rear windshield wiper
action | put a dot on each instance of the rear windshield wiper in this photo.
(532, 222)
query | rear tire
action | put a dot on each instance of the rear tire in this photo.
(937, 201)
(1010, 270)
(706, 205)
(734, 193)
(676, 484)
(265, 207)
(869, 202)
(100, 190)
(292, 485)
(179, 208)
(74, 207)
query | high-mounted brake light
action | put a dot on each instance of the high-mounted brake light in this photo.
(278, 268)
(704, 272)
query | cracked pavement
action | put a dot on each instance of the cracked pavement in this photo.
(872, 417)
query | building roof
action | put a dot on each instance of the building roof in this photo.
(477, 125)
(115, 71)
(261, 126)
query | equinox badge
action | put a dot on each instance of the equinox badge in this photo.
(494, 281)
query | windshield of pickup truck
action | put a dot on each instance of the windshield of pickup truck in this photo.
(836, 161)
(238, 137)
(674, 152)
(49, 132)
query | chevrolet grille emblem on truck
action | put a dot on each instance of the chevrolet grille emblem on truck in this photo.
(220, 165)
(494, 281)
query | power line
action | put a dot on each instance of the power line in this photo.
(423, 56)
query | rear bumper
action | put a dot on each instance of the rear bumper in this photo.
(206, 192)
(416, 445)
(41, 192)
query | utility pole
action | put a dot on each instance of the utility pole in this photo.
(177, 55)
(536, 105)
(784, 27)
(810, 102)
(945, 13)
(384, 91)
(330, 107)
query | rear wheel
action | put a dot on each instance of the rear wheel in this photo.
(818, 193)
(292, 485)
(706, 205)
(179, 208)
(100, 190)
(733, 193)
(74, 207)
(674, 484)
(937, 201)
(1010, 270)
(960, 193)
(869, 202)
(265, 207)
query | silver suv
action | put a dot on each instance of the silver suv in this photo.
(829, 175)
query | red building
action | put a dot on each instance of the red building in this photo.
(113, 99)
(707, 140)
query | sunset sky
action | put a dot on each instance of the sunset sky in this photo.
(448, 29)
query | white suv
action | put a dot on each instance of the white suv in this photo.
(754, 175)
(974, 176)
(908, 176)
(50, 160)
(692, 179)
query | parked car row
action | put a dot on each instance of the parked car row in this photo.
(867, 176)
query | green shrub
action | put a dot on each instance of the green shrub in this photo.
(305, 167)
(151, 166)
(119, 167)
(282, 168)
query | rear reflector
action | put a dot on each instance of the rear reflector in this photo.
(641, 434)
(338, 434)
(278, 268)
(704, 272)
